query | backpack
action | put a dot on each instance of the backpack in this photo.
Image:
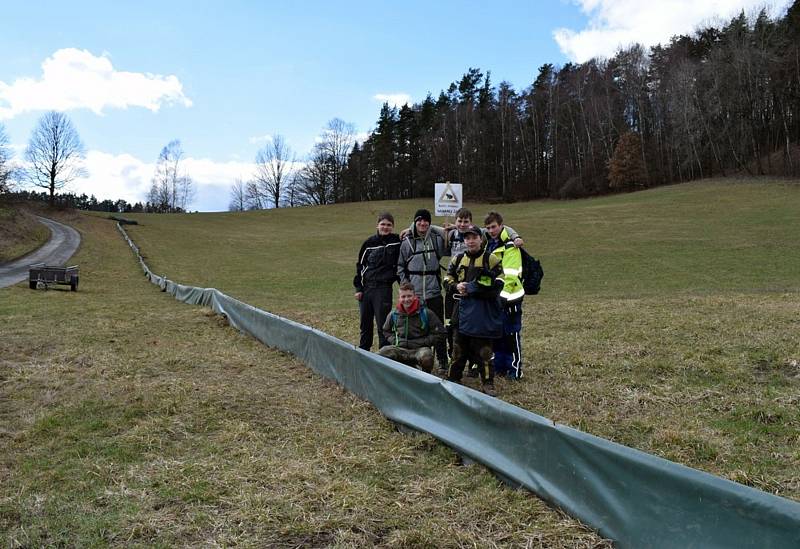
(484, 262)
(423, 317)
(437, 273)
(532, 273)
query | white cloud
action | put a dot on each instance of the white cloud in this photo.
(620, 23)
(125, 176)
(76, 79)
(210, 172)
(114, 176)
(394, 99)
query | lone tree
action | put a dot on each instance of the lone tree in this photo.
(55, 153)
(626, 168)
(274, 169)
(171, 189)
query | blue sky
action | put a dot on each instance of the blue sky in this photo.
(222, 76)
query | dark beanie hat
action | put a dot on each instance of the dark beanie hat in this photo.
(422, 214)
(474, 229)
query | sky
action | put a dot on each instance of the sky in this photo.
(223, 77)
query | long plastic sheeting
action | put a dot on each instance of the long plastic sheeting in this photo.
(636, 499)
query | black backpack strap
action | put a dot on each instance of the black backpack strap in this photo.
(414, 252)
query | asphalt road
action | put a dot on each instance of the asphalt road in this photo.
(63, 243)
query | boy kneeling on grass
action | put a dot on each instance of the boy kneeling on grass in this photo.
(412, 329)
(476, 277)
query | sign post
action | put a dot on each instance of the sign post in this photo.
(447, 198)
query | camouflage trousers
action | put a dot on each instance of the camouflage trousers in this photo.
(421, 358)
(478, 351)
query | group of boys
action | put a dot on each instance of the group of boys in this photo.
(482, 296)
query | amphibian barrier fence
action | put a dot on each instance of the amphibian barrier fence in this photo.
(636, 499)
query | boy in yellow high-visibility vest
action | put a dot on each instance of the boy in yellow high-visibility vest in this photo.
(508, 349)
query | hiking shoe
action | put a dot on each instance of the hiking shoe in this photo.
(488, 389)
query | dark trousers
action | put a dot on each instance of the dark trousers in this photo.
(508, 349)
(449, 309)
(436, 304)
(375, 305)
(478, 350)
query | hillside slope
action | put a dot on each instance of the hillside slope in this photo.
(130, 419)
(667, 319)
(20, 233)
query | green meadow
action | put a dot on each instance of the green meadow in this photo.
(668, 321)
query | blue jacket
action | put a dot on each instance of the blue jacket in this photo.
(480, 312)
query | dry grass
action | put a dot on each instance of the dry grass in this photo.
(20, 233)
(667, 321)
(131, 419)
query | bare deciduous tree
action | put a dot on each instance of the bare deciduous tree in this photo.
(55, 153)
(337, 141)
(172, 189)
(274, 167)
(291, 197)
(256, 200)
(238, 201)
(314, 184)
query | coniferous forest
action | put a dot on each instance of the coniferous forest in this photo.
(722, 101)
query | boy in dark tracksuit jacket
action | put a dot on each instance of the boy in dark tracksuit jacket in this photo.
(376, 271)
(476, 278)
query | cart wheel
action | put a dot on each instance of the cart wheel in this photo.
(32, 284)
(73, 283)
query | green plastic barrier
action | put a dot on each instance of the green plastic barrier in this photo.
(636, 499)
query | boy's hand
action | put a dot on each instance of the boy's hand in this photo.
(358, 295)
(518, 242)
(404, 233)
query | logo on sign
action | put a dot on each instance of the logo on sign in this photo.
(448, 198)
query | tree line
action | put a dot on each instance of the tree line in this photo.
(718, 102)
(76, 202)
(281, 181)
(722, 101)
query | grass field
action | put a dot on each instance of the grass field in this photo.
(668, 321)
(130, 419)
